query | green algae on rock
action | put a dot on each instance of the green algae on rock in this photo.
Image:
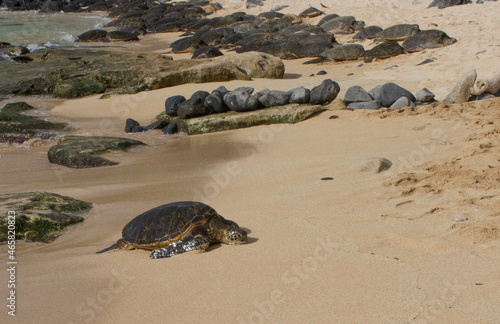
(16, 127)
(83, 151)
(288, 114)
(40, 216)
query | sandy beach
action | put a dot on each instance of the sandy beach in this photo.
(418, 243)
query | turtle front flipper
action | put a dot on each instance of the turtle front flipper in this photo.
(198, 243)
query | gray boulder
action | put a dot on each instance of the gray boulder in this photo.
(401, 103)
(241, 101)
(375, 92)
(299, 95)
(390, 92)
(356, 94)
(424, 95)
(192, 108)
(374, 104)
(215, 102)
(130, 124)
(325, 93)
(172, 105)
(274, 98)
(170, 129)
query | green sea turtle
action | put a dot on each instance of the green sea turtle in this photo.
(432, 38)
(383, 50)
(176, 228)
(398, 32)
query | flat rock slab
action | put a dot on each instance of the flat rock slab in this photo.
(83, 151)
(288, 114)
(40, 216)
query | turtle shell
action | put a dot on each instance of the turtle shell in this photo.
(432, 38)
(399, 32)
(165, 224)
(383, 50)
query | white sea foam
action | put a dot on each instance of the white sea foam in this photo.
(68, 38)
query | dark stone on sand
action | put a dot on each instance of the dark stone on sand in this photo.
(199, 95)
(222, 90)
(172, 105)
(215, 102)
(274, 98)
(83, 151)
(138, 129)
(40, 216)
(356, 94)
(253, 3)
(326, 178)
(322, 72)
(241, 101)
(401, 103)
(156, 125)
(375, 92)
(170, 129)
(130, 124)
(424, 95)
(192, 108)
(206, 52)
(374, 104)
(325, 93)
(17, 51)
(299, 95)
(390, 92)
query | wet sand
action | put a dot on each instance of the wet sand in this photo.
(378, 248)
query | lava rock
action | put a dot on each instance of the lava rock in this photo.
(238, 100)
(192, 108)
(424, 95)
(170, 129)
(274, 98)
(401, 103)
(374, 104)
(299, 95)
(390, 92)
(356, 94)
(215, 102)
(130, 124)
(325, 93)
(172, 105)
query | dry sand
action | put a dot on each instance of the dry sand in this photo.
(362, 248)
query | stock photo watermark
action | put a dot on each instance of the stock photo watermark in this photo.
(11, 263)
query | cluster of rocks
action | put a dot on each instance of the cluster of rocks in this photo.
(388, 95)
(40, 216)
(14, 52)
(242, 99)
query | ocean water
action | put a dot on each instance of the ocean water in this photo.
(36, 30)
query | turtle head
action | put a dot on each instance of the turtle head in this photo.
(235, 236)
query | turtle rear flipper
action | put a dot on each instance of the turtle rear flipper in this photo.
(198, 243)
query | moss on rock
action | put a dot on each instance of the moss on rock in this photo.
(40, 216)
(83, 151)
(16, 127)
(288, 114)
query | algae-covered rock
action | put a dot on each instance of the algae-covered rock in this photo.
(67, 73)
(39, 216)
(288, 114)
(83, 151)
(16, 127)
